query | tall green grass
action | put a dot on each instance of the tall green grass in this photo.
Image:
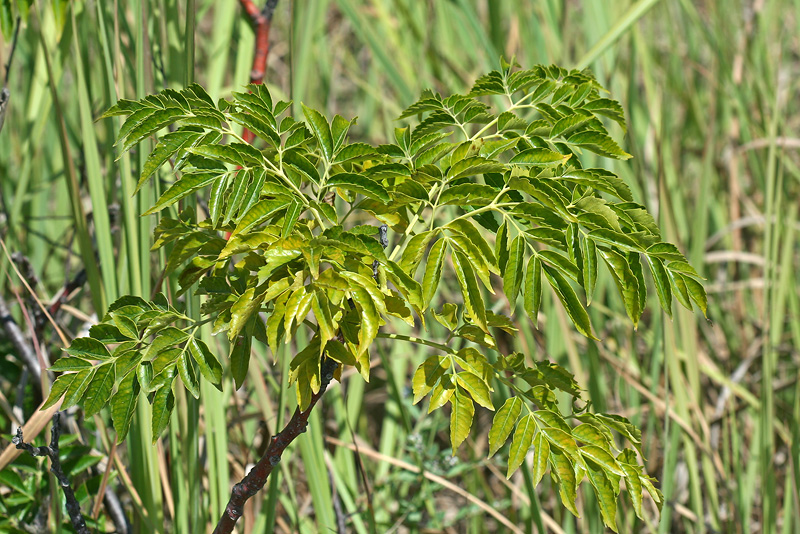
(711, 96)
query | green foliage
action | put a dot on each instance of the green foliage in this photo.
(297, 256)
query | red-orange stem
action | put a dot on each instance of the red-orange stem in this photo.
(261, 19)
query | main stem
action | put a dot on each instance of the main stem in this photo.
(257, 477)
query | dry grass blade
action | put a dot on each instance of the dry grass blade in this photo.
(366, 450)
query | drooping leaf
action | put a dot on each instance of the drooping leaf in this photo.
(433, 271)
(99, 390)
(188, 375)
(461, 416)
(512, 276)
(599, 143)
(240, 359)
(476, 387)
(470, 290)
(57, 390)
(541, 453)
(520, 443)
(563, 472)
(604, 491)
(77, 387)
(503, 423)
(123, 405)
(163, 404)
(563, 290)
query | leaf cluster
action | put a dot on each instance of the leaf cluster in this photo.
(496, 198)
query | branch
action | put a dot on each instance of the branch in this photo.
(51, 451)
(261, 21)
(257, 477)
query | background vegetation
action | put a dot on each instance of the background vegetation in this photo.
(710, 90)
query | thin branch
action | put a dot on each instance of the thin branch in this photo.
(257, 477)
(261, 21)
(51, 451)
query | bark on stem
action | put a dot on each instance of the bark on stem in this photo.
(257, 477)
(261, 19)
(51, 451)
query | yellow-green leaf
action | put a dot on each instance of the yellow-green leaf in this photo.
(539, 156)
(58, 389)
(461, 416)
(541, 452)
(570, 301)
(503, 423)
(477, 388)
(604, 491)
(433, 271)
(520, 443)
(470, 291)
(563, 473)
(442, 392)
(512, 275)
(427, 375)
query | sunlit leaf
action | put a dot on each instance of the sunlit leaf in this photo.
(520, 443)
(461, 416)
(503, 423)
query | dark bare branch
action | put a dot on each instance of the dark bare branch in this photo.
(257, 477)
(51, 451)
